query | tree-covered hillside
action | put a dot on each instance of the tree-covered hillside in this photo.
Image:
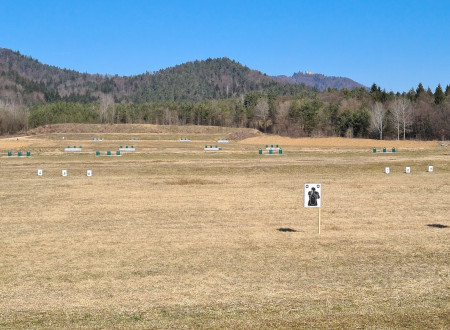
(320, 81)
(204, 80)
(215, 92)
(219, 78)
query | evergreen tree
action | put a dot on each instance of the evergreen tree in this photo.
(420, 90)
(374, 88)
(447, 90)
(439, 95)
(412, 95)
(360, 122)
(376, 92)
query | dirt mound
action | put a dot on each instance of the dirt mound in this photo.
(96, 128)
(231, 133)
(244, 134)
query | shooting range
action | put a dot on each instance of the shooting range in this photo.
(127, 233)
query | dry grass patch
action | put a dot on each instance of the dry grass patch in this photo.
(174, 239)
(338, 142)
(195, 181)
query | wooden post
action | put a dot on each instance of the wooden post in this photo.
(319, 220)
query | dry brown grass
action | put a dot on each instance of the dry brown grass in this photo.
(172, 236)
(339, 142)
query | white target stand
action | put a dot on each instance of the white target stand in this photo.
(89, 173)
(408, 170)
(430, 168)
(387, 170)
(64, 173)
(313, 197)
(40, 172)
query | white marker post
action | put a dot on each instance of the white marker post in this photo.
(64, 172)
(408, 170)
(387, 170)
(40, 172)
(89, 173)
(430, 168)
(313, 196)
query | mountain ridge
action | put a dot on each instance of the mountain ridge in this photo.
(320, 81)
(26, 80)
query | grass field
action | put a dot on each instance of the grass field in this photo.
(171, 236)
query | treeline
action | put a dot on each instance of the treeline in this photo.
(418, 114)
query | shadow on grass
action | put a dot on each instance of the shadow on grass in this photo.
(436, 225)
(289, 230)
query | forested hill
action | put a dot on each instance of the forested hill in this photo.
(320, 81)
(201, 80)
(24, 80)
(219, 92)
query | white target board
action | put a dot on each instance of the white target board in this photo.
(40, 172)
(64, 172)
(408, 170)
(387, 170)
(430, 168)
(89, 173)
(313, 195)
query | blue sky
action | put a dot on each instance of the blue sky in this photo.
(395, 44)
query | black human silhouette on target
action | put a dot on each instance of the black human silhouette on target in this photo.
(313, 197)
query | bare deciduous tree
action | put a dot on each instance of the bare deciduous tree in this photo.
(262, 111)
(406, 115)
(402, 114)
(377, 117)
(282, 117)
(167, 116)
(106, 101)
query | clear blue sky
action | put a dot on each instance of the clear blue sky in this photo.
(395, 44)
